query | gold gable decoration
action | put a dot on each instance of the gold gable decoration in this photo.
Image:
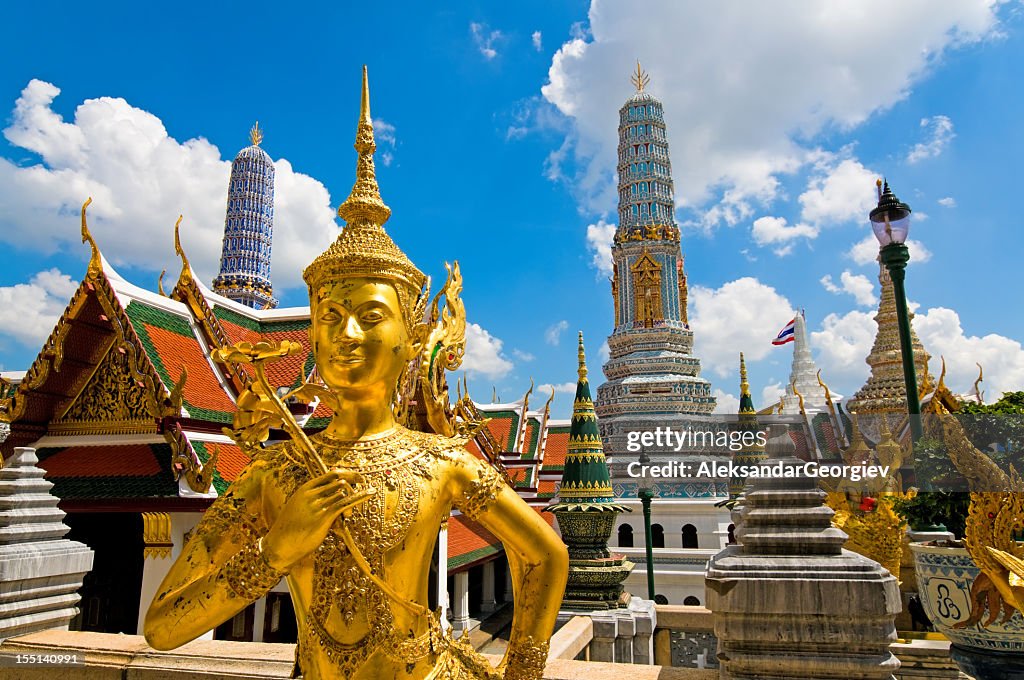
(112, 401)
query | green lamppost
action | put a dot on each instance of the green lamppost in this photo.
(890, 221)
(646, 493)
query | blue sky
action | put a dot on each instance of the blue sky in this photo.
(496, 133)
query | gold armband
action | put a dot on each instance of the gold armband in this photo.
(478, 495)
(526, 660)
(249, 575)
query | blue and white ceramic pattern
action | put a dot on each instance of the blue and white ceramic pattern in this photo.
(944, 578)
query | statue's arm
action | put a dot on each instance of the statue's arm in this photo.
(537, 558)
(220, 571)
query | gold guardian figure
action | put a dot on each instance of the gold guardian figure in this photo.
(349, 517)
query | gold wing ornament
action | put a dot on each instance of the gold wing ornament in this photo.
(444, 347)
(995, 517)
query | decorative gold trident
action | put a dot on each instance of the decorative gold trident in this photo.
(639, 79)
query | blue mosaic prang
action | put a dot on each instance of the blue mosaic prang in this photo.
(646, 193)
(248, 230)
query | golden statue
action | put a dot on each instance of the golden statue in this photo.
(350, 516)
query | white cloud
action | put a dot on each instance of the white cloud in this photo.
(947, 202)
(844, 192)
(553, 335)
(865, 251)
(522, 356)
(29, 311)
(742, 95)
(483, 354)
(741, 316)
(384, 134)
(140, 180)
(604, 352)
(770, 394)
(1002, 358)
(842, 344)
(768, 230)
(599, 242)
(536, 38)
(560, 388)
(940, 133)
(485, 39)
(857, 285)
(725, 403)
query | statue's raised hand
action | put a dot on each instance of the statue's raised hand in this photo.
(308, 514)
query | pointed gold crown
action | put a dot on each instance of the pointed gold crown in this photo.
(363, 248)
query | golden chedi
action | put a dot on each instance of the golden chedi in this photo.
(350, 516)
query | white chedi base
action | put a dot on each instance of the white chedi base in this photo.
(40, 570)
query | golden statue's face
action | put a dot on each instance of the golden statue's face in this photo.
(359, 336)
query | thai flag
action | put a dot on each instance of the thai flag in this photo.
(786, 334)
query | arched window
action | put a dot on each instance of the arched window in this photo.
(657, 536)
(732, 533)
(660, 599)
(625, 536)
(689, 536)
(691, 601)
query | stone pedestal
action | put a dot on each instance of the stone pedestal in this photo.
(40, 571)
(789, 603)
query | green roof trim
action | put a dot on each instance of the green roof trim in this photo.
(160, 485)
(231, 316)
(142, 313)
(474, 555)
(219, 483)
(257, 326)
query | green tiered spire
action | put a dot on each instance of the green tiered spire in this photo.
(586, 512)
(747, 422)
(585, 479)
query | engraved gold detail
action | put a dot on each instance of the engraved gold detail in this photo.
(156, 534)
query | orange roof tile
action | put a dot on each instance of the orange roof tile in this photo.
(102, 461)
(501, 427)
(202, 388)
(469, 542)
(555, 449)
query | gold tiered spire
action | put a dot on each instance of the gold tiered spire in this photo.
(640, 78)
(256, 134)
(885, 390)
(365, 203)
(363, 248)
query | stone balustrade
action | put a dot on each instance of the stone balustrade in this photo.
(128, 657)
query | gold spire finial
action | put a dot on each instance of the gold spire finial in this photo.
(640, 78)
(95, 261)
(744, 385)
(256, 134)
(798, 396)
(582, 371)
(364, 204)
(981, 376)
(186, 268)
